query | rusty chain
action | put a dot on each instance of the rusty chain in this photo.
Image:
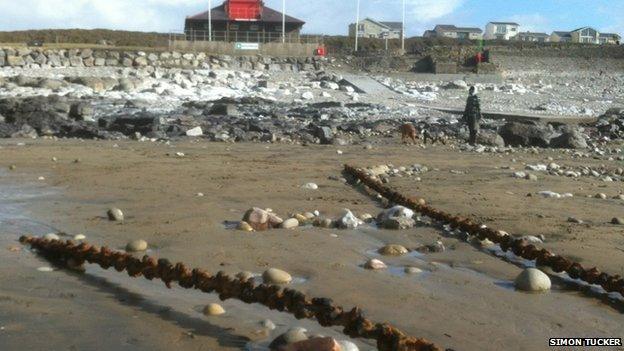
(520, 247)
(274, 297)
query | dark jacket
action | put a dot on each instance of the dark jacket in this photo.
(472, 114)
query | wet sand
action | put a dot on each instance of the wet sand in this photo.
(464, 299)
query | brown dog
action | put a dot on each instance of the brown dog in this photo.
(408, 132)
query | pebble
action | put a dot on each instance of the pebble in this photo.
(314, 344)
(51, 236)
(180, 154)
(244, 275)
(293, 335)
(532, 279)
(54, 159)
(617, 220)
(268, 324)
(276, 276)
(323, 223)
(115, 214)
(41, 178)
(79, 237)
(531, 177)
(310, 186)
(290, 223)
(600, 196)
(244, 226)
(45, 269)
(412, 270)
(260, 219)
(200, 194)
(348, 220)
(374, 263)
(339, 152)
(575, 220)
(397, 223)
(367, 218)
(301, 218)
(136, 245)
(393, 250)
(12, 167)
(213, 309)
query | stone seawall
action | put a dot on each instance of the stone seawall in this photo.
(46, 58)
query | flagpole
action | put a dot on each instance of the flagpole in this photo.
(209, 20)
(357, 24)
(283, 21)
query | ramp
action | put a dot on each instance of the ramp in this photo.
(365, 85)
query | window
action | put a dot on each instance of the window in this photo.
(254, 27)
(501, 29)
(361, 27)
(233, 26)
(513, 29)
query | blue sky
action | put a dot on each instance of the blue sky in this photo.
(322, 16)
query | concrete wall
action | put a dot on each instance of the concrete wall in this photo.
(227, 48)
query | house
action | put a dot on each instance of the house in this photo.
(561, 37)
(533, 37)
(610, 38)
(586, 35)
(501, 30)
(370, 28)
(242, 21)
(451, 31)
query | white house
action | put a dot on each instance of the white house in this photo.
(370, 28)
(501, 30)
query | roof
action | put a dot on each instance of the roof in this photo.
(268, 15)
(453, 28)
(393, 25)
(534, 34)
(509, 23)
(563, 34)
(609, 35)
(578, 29)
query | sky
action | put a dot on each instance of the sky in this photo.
(322, 16)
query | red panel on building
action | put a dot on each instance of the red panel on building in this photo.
(244, 10)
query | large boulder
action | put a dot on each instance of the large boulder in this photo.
(490, 139)
(525, 134)
(569, 140)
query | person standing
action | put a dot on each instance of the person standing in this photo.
(472, 114)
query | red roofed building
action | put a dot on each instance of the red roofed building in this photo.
(242, 21)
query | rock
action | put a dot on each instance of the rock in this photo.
(115, 214)
(574, 220)
(136, 245)
(490, 139)
(81, 111)
(293, 335)
(412, 270)
(12, 167)
(268, 324)
(325, 134)
(195, 132)
(260, 219)
(458, 84)
(213, 309)
(346, 345)
(15, 61)
(438, 246)
(393, 250)
(244, 226)
(310, 186)
(531, 177)
(314, 344)
(532, 279)
(290, 223)
(569, 140)
(308, 95)
(51, 236)
(396, 211)
(398, 223)
(617, 220)
(367, 218)
(221, 109)
(348, 220)
(244, 275)
(276, 276)
(79, 237)
(521, 134)
(600, 196)
(323, 223)
(375, 264)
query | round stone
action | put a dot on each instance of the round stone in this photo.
(293, 335)
(367, 217)
(346, 345)
(532, 279)
(290, 223)
(601, 196)
(12, 167)
(393, 250)
(268, 324)
(310, 186)
(244, 226)
(413, 270)
(617, 220)
(374, 263)
(79, 237)
(51, 236)
(136, 245)
(54, 159)
(115, 214)
(213, 309)
(244, 275)
(323, 223)
(309, 215)
(276, 276)
(301, 218)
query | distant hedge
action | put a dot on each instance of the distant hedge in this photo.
(85, 36)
